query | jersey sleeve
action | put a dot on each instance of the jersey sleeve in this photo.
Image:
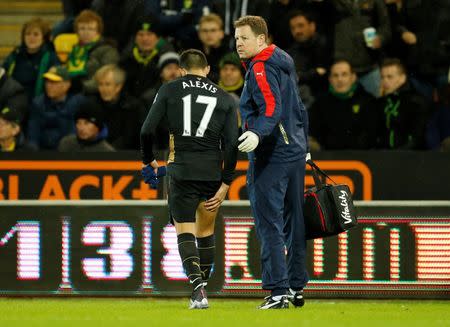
(148, 130)
(267, 96)
(230, 143)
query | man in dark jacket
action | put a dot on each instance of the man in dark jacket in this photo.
(345, 117)
(310, 51)
(13, 95)
(141, 61)
(51, 114)
(354, 17)
(275, 123)
(404, 112)
(123, 112)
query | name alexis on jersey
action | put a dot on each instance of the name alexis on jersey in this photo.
(200, 84)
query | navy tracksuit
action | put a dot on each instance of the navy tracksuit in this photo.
(270, 106)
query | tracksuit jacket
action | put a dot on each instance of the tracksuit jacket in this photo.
(271, 107)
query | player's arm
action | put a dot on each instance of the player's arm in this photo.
(148, 130)
(267, 96)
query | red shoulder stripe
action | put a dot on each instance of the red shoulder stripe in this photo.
(261, 79)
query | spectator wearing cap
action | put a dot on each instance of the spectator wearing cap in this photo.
(123, 112)
(12, 94)
(213, 44)
(51, 114)
(11, 136)
(91, 131)
(32, 58)
(231, 77)
(141, 62)
(91, 52)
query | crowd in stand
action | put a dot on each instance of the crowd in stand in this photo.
(373, 74)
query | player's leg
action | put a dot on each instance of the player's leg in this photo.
(294, 229)
(204, 232)
(267, 185)
(183, 204)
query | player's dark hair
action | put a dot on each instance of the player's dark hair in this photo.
(193, 59)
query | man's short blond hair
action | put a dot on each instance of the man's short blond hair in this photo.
(256, 23)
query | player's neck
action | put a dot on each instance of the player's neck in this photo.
(196, 72)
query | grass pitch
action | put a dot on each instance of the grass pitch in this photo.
(163, 312)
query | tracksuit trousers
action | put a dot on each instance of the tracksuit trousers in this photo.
(276, 197)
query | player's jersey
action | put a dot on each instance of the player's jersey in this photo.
(202, 122)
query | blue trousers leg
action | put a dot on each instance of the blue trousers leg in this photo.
(294, 227)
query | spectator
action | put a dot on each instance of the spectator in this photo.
(169, 70)
(13, 95)
(231, 75)
(350, 44)
(140, 63)
(424, 28)
(232, 79)
(71, 9)
(11, 136)
(122, 112)
(91, 131)
(51, 114)
(231, 10)
(180, 18)
(278, 21)
(345, 117)
(211, 35)
(404, 111)
(91, 53)
(310, 52)
(438, 129)
(29, 61)
(120, 19)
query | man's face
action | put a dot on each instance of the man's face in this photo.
(108, 88)
(56, 90)
(301, 29)
(391, 79)
(33, 38)
(230, 75)
(170, 72)
(146, 41)
(247, 43)
(210, 34)
(341, 77)
(88, 31)
(8, 130)
(86, 130)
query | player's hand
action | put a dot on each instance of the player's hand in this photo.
(151, 175)
(214, 203)
(249, 142)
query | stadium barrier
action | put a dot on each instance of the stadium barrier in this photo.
(401, 249)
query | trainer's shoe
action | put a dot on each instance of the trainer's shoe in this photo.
(275, 302)
(296, 297)
(198, 299)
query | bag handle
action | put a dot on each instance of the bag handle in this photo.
(315, 170)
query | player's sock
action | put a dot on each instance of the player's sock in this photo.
(190, 258)
(206, 248)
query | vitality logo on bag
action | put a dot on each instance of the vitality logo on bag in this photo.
(345, 214)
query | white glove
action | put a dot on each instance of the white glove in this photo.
(308, 157)
(249, 142)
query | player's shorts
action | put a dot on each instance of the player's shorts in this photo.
(185, 196)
